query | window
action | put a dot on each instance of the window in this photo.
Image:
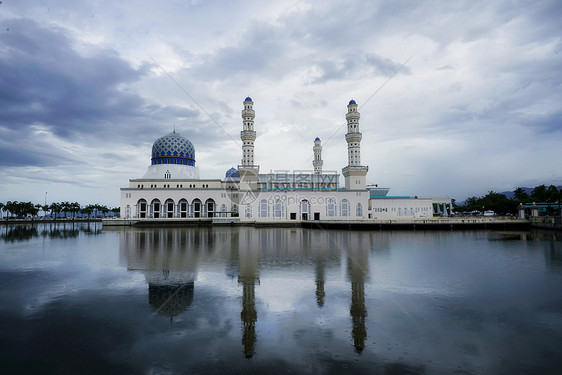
(263, 208)
(344, 207)
(248, 210)
(278, 208)
(330, 207)
(359, 210)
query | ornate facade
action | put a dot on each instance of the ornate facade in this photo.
(172, 189)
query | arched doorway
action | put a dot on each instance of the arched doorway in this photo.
(183, 207)
(169, 208)
(155, 208)
(210, 205)
(141, 208)
(196, 208)
(305, 209)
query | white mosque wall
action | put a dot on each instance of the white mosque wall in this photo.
(400, 208)
(303, 205)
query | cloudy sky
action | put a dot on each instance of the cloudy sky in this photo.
(456, 98)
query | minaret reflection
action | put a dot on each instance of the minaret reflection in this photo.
(168, 258)
(248, 276)
(357, 271)
(320, 293)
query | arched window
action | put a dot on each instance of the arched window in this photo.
(278, 209)
(330, 207)
(223, 209)
(359, 210)
(264, 208)
(248, 210)
(344, 207)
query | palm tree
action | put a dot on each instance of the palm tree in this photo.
(74, 208)
(520, 195)
(65, 207)
(87, 210)
(539, 193)
(55, 209)
(45, 208)
(38, 207)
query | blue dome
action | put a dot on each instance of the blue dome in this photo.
(248, 99)
(352, 101)
(232, 173)
(173, 149)
(317, 139)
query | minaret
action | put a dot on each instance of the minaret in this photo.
(354, 173)
(248, 171)
(248, 135)
(317, 162)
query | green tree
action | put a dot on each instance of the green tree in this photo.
(65, 207)
(539, 194)
(55, 208)
(520, 195)
(87, 210)
(11, 207)
(74, 208)
(45, 208)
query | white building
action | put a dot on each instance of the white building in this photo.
(171, 188)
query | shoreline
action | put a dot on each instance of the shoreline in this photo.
(409, 224)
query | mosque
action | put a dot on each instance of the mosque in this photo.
(172, 189)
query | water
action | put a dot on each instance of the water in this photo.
(82, 299)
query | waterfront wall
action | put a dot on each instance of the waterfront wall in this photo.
(546, 222)
(437, 223)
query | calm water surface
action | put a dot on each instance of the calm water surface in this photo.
(79, 299)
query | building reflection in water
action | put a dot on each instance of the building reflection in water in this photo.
(169, 258)
(357, 272)
(248, 277)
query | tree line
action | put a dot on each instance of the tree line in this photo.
(15, 209)
(500, 204)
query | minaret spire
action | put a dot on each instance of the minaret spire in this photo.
(248, 170)
(317, 162)
(248, 135)
(354, 173)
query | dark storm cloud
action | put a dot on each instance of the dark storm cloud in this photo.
(14, 156)
(45, 81)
